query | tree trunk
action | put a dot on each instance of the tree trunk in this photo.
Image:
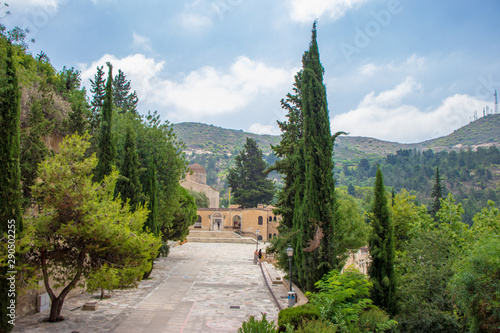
(55, 309)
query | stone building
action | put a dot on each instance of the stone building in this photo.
(249, 221)
(196, 180)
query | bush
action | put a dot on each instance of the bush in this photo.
(296, 315)
(376, 320)
(257, 326)
(316, 326)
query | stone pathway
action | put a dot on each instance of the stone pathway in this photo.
(200, 287)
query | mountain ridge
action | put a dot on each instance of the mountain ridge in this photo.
(209, 139)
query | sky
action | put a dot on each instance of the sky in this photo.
(395, 70)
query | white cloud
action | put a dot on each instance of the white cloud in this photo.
(392, 97)
(203, 92)
(385, 117)
(410, 65)
(140, 70)
(141, 42)
(259, 128)
(309, 10)
(195, 21)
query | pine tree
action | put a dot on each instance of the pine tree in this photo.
(436, 194)
(382, 251)
(129, 185)
(124, 100)
(10, 188)
(106, 148)
(247, 179)
(99, 91)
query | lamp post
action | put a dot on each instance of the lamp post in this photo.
(257, 232)
(291, 294)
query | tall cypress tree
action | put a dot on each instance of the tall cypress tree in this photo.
(152, 189)
(436, 194)
(316, 247)
(106, 148)
(382, 251)
(10, 183)
(288, 153)
(129, 185)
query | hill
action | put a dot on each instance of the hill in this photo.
(208, 139)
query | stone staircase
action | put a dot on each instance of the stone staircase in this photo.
(202, 236)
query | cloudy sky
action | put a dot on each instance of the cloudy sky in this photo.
(403, 71)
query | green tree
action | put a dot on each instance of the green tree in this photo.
(425, 304)
(200, 198)
(33, 148)
(318, 248)
(106, 148)
(152, 190)
(10, 175)
(382, 251)
(122, 98)
(247, 179)
(98, 89)
(475, 285)
(129, 186)
(184, 216)
(83, 227)
(436, 194)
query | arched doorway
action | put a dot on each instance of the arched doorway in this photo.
(217, 222)
(236, 222)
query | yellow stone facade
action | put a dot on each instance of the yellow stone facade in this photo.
(246, 221)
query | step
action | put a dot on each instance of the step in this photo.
(221, 240)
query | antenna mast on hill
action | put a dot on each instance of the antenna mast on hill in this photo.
(496, 102)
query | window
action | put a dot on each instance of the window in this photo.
(259, 237)
(275, 219)
(197, 224)
(261, 220)
(270, 218)
(270, 236)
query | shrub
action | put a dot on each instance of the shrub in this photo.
(294, 316)
(257, 326)
(316, 326)
(376, 320)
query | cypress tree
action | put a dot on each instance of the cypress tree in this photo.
(129, 185)
(288, 153)
(316, 247)
(10, 184)
(152, 222)
(436, 194)
(106, 148)
(382, 251)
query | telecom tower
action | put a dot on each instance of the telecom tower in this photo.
(496, 102)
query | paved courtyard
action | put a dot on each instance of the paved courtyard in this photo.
(200, 287)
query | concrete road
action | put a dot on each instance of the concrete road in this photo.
(200, 287)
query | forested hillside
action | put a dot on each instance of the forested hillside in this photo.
(468, 160)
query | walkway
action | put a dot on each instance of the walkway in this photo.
(200, 287)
